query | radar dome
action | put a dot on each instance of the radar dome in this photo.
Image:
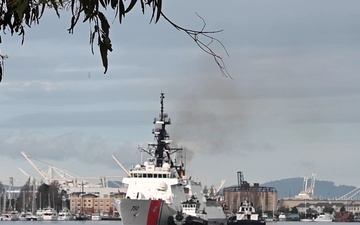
(166, 166)
(146, 163)
(163, 186)
(138, 166)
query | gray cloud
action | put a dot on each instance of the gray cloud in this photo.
(76, 119)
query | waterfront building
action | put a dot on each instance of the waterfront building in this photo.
(90, 203)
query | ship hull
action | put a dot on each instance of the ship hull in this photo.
(233, 221)
(247, 222)
(215, 215)
(144, 212)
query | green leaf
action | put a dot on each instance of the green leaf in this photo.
(86, 18)
(103, 52)
(131, 5)
(1, 72)
(153, 12)
(159, 5)
(103, 3)
(21, 7)
(104, 23)
(55, 5)
(142, 6)
(114, 3)
(92, 37)
(121, 10)
(43, 6)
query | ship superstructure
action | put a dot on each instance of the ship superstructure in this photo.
(157, 188)
(154, 178)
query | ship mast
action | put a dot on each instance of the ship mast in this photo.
(162, 150)
(162, 134)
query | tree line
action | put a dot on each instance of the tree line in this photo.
(32, 197)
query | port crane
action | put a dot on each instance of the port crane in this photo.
(121, 166)
(307, 191)
(213, 192)
(65, 178)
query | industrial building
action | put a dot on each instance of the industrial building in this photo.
(264, 199)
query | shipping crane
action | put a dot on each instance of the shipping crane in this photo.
(307, 192)
(66, 178)
(213, 192)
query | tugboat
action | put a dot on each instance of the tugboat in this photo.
(190, 214)
(158, 188)
(246, 216)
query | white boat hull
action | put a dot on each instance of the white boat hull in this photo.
(144, 212)
(307, 220)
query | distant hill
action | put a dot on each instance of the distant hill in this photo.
(292, 186)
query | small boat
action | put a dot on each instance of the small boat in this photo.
(307, 220)
(11, 216)
(7, 217)
(80, 216)
(282, 217)
(48, 214)
(246, 216)
(190, 213)
(28, 216)
(95, 216)
(65, 215)
(266, 217)
(323, 217)
(22, 216)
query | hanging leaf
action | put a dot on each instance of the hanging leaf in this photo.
(121, 10)
(92, 37)
(1, 72)
(114, 3)
(142, 6)
(153, 11)
(131, 5)
(159, 5)
(103, 52)
(103, 3)
(56, 6)
(104, 23)
(21, 8)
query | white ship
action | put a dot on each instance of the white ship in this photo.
(65, 215)
(157, 188)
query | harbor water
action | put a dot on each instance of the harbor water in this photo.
(71, 222)
(118, 222)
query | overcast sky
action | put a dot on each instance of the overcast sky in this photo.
(292, 107)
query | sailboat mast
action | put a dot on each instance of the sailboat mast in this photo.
(33, 197)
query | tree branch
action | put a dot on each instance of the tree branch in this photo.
(197, 34)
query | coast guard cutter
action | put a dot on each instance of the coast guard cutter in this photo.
(158, 189)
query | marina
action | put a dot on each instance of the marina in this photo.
(181, 200)
(72, 222)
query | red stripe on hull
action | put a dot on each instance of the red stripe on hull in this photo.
(154, 212)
